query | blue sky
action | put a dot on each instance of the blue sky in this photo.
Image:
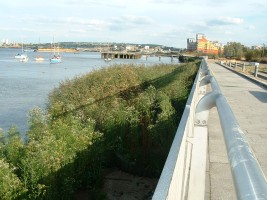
(164, 22)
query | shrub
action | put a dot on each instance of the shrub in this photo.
(130, 110)
(10, 185)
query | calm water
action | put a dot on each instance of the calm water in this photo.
(24, 86)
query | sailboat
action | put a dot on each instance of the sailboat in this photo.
(22, 57)
(39, 58)
(55, 58)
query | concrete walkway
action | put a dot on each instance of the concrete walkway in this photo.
(249, 104)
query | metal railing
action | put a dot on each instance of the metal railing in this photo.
(183, 176)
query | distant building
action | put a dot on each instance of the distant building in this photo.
(258, 47)
(191, 44)
(158, 49)
(131, 48)
(115, 48)
(202, 44)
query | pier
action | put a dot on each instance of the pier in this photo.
(121, 55)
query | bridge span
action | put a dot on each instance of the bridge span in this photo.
(220, 148)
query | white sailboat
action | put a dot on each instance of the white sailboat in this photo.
(24, 59)
(22, 56)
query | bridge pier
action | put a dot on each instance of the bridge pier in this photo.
(120, 55)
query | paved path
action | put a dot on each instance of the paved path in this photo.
(249, 104)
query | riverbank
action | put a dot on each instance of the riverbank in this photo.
(66, 50)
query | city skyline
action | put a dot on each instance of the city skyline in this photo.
(163, 22)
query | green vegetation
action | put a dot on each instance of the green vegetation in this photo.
(233, 50)
(128, 112)
(238, 51)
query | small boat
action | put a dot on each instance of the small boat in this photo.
(24, 59)
(39, 59)
(108, 59)
(56, 58)
(21, 56)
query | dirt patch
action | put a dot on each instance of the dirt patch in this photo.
(119, 185)
(123, 186)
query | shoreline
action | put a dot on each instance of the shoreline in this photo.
(58, 50)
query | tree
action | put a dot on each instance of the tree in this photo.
(233, 50)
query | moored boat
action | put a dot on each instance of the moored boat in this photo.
(39, 59)
(24, 59)
(21, 56)
(108, 59)
(56, 58)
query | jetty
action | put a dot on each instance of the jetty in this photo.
(121, 55)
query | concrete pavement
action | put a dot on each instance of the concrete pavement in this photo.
(249, 104)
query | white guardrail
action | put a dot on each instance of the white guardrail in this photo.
(183, 176)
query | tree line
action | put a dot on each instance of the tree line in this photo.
(239, 51)
(235, 50)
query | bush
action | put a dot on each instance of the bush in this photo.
(130, 110)
(10, 185)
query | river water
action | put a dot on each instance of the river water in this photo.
(24, 86)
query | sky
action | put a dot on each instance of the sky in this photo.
(163, 22)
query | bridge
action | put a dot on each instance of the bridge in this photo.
(220, 147)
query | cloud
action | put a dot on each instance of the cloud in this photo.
(222, 21)
(93, 3)
(168, 1)
(228, 32)
(251, 27)
(129, 22)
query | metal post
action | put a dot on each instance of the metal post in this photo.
(256, 69)
(243, 67)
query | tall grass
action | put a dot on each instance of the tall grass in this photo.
(126, 111)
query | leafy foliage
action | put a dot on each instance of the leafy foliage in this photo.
(233, 50)
(11, 186)
(130, 110)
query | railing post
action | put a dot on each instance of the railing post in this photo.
(243, 67)
(256, 69)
